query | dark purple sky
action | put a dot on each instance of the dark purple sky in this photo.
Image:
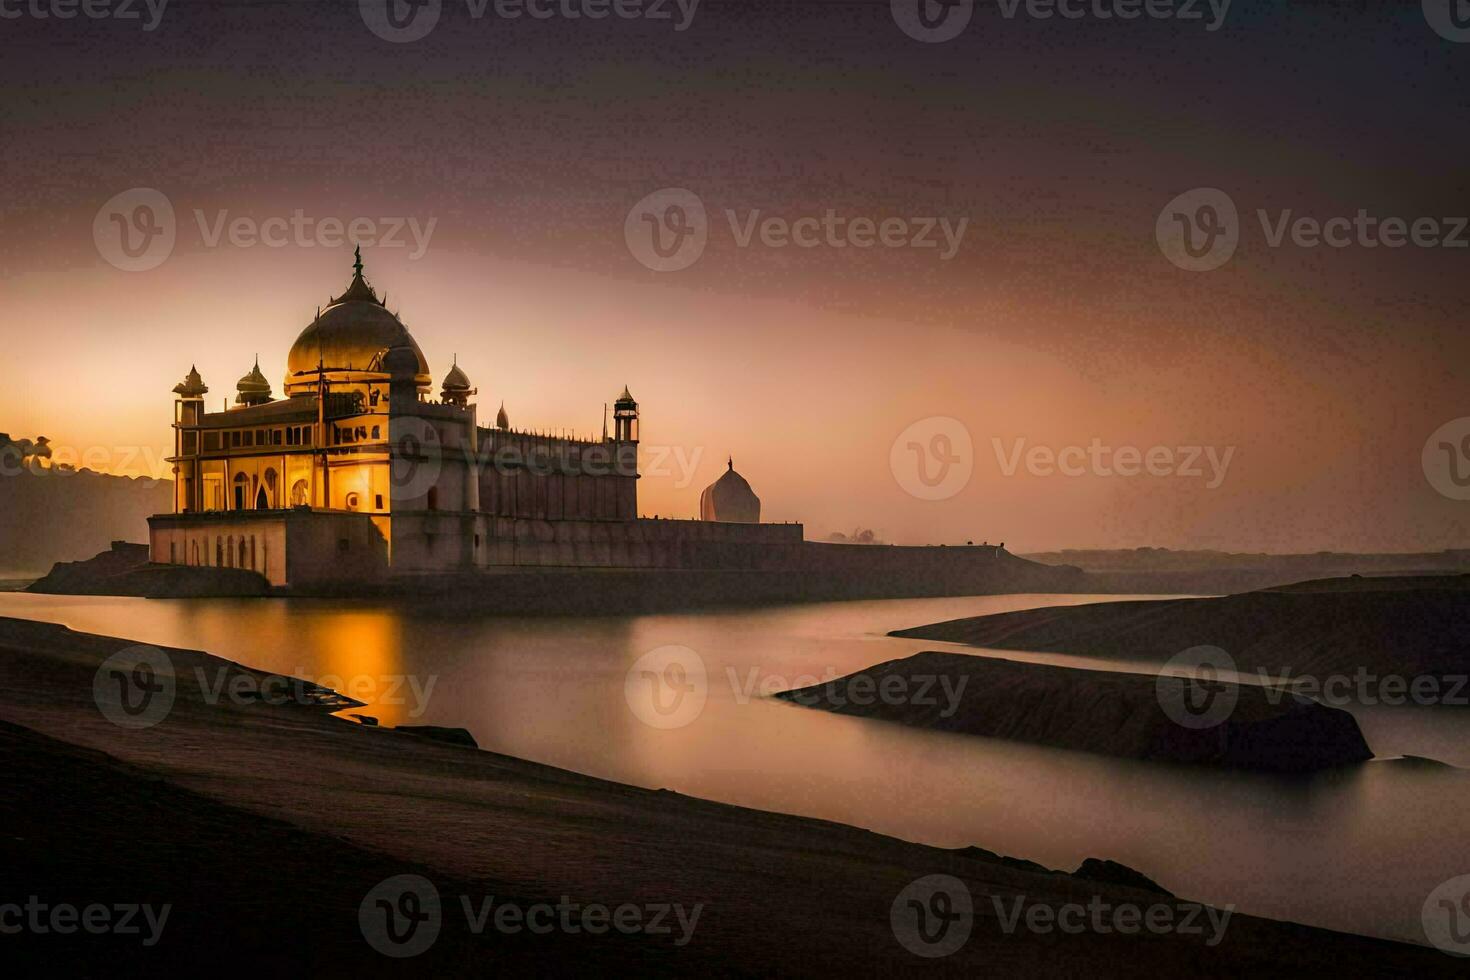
(1057, 321)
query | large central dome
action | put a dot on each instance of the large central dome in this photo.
(350, 337)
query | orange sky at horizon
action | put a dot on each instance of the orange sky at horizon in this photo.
(807, 400)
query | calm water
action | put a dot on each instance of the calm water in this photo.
(1358, 850)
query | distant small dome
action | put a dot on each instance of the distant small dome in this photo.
(502, 421)
(192, 386)
(730, 499)
(253, 388)
(456, 379)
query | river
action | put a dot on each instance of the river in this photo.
(1357, 849)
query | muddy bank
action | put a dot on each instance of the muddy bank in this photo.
(1136, 716)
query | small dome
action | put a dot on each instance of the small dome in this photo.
(626, 399)
(456, 379)
(730, 499)
(253, 388)
(502, 421)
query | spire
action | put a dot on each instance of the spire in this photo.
(730, 462)
(358, 291)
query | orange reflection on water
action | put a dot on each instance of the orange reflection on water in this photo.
(359, 653)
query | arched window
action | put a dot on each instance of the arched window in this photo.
(242, 487)
(298, 494)
(353, 500)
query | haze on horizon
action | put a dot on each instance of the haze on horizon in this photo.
(1057, 323)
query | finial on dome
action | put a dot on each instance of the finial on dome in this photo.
(730, 462)
(357, 261)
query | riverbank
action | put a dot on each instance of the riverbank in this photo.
(248, 815)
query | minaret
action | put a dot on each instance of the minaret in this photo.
(625, 418)
(188, 414)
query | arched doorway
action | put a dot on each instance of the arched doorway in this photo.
(298, 494)
(262, 502)
(242, 486)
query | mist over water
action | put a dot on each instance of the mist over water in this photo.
(1357, 849)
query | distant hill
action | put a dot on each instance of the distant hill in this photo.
(57, 514)
(1408, 627)
(1162, 570)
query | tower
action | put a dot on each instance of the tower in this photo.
(625, 418)
(188, 413)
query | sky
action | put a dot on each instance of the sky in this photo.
(1025, 354)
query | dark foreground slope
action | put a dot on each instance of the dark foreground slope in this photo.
(1133, 715)
(264, 825)
(1407, 626)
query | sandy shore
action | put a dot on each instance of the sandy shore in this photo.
(265, 826)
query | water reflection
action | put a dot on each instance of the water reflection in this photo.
(1357, 849)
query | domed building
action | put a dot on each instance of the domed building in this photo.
(730, 499)
(357, 469)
